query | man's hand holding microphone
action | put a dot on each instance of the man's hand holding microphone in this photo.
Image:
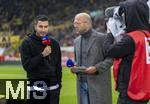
(47, 50)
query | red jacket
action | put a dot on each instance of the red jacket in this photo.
(139, 83)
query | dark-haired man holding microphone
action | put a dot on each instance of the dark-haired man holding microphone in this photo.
(43, 61)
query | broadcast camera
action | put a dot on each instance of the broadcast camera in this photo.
(116, 21)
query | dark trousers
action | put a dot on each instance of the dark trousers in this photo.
(45, 96)
(124, 99)
(52, 97)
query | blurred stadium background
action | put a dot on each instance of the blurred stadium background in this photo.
(16, 22)
(17, 16)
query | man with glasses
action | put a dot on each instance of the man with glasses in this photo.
(94, 81)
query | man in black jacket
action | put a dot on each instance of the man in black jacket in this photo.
(42, 62)
(127, 49)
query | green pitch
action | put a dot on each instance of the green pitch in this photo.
(68, 92)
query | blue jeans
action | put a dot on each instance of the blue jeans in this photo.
(84, 94)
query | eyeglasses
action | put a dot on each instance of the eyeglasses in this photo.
(78, 23)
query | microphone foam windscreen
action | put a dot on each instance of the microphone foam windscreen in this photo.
(69, 63)
(46, 40)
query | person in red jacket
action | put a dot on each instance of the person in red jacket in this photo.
(132, 65)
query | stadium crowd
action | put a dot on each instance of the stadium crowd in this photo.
(18, 16)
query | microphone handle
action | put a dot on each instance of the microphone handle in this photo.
(48, 57)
